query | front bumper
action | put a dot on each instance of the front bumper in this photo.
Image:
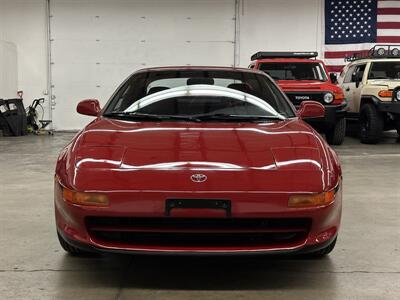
(333, 113)
(94, 249)
(390, 107)
(72, 224)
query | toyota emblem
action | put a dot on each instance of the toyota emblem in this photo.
(198, 177)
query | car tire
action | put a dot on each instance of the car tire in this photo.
(335, 135)
(397, 125)
(74, 251)
(371, 124)
(324, 251)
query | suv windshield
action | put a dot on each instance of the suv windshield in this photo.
(294, 71)
(198, 95)
(384, 70)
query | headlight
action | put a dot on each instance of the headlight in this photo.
(328, 98)
(313, 200)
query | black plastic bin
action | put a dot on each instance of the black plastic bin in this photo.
(13, 117)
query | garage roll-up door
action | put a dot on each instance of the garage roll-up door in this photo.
(95, 44)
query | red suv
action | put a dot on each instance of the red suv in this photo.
(302, 78)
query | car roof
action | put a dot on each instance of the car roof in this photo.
(199, 68)
(365, 60)
(301, 60)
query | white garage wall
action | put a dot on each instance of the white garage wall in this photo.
(96, 44)
(23, 23)
(284, 25)
(8, 70)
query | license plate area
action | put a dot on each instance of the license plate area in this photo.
(219, 204)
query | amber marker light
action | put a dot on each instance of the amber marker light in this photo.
(90, 199)
(339, 96)
(385, 94)
(313, 200)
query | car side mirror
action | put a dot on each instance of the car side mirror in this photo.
(333, 78)
(88, 107)
(356, 77)
(311, 109)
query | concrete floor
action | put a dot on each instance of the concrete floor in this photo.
(364, 265)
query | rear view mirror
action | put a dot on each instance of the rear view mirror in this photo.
(88, 107)
(311, 109)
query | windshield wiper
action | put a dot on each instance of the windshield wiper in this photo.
(134, 115)
(230, 117)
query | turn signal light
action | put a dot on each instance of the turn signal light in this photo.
(339, 96)
(312, 200)
(385, 94)
(91, 199)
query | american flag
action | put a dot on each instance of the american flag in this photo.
(355, 26)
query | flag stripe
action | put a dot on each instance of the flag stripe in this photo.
(389, 25)
(388, 39)
(388, 4)
(335, 61)
(342, 54)
(388, 32)
(388, 18)
(335, 69)
(389, 11)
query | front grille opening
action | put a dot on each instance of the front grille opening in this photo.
(201, 232)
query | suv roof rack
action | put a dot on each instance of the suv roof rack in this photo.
(378, 51)
(284, 54)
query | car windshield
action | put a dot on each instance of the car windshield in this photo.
(385, 70)
(294, 71)
(197, 95)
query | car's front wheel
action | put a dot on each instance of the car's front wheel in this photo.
(74, 251)
(336, 134)
(371, 124)
(324, 251)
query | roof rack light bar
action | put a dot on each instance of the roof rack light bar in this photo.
(285, 54)
(378, 51)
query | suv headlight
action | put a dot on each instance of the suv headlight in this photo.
(328, 98)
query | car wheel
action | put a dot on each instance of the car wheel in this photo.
(335, 135)
(74, 251)
(371, 124)
(324, 251)
(397, 124)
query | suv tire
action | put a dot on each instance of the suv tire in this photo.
(371, 124)
(397, 124)
(74, 251)
(336, 134)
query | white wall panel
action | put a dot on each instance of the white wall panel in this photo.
(8, 70)
(284, 25)
(23, 23)
(96, 44)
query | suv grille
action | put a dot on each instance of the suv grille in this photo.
(298, 97)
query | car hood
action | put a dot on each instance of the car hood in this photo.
(282, 156)
(309, 85)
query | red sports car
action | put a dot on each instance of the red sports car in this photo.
(198, 160)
